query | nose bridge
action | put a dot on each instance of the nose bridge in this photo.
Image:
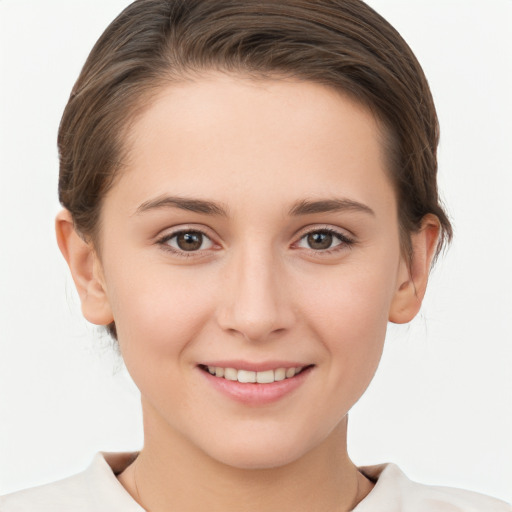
(255, 299)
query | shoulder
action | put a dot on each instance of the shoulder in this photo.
(394, 492)
(94, 490)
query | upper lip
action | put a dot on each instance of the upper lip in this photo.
(255, 366)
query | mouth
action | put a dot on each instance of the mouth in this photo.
(254, 377)
(256, 384)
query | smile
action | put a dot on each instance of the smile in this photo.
(255, 384)
(247, 376)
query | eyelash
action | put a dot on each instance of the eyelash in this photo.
(345, 242)
(163, 242)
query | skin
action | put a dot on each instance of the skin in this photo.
(256, 290)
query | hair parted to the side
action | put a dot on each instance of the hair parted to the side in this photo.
(343, 44)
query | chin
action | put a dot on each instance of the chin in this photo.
(261, 452)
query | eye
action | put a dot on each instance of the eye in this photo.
(188, 241)
(324, 240)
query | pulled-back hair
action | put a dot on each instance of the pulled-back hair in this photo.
(343, 44)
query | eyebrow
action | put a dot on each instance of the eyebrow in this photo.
(189, 204)
(303, 207)
(308, 207)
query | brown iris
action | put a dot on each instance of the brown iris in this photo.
(320, 240)
(189, 240)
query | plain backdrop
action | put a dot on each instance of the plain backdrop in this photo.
(441, 403)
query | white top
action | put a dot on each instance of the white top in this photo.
(98, 490)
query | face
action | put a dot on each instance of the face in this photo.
(253, 234)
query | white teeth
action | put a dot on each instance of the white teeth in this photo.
(231, 374)
(265, 377)
(246, 376)
(280, 374)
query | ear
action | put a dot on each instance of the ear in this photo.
(413, 274)
(85, 269)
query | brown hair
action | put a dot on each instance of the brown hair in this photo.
(343, 44)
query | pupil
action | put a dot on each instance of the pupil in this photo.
(320, 240)
(189, 241)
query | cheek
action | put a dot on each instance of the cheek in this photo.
(352, 302)
(349, 312)
(157, 310)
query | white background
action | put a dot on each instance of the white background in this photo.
(441, 403)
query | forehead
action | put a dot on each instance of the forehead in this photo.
(231, 136)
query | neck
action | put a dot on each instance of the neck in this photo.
(171, 474)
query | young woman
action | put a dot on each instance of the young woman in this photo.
(250, 196)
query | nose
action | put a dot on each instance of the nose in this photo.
(255, 301)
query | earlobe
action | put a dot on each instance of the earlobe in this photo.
(413, 274)
(85, 269)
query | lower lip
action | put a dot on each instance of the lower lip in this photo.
(254, 393)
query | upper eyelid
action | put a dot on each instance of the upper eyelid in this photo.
(344, 233)
(172, 232)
